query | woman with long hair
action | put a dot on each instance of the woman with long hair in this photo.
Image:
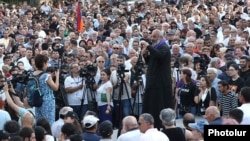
(186, 93)
(205, 95)
(103, 97)
(71, 117)
(43, 122)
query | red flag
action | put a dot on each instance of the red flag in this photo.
(79, 17)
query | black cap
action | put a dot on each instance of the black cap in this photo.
(230, 49)
(229, 57)
(33, 37)
(70, 114)
(105, 128)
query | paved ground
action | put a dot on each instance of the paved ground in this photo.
(178, 123)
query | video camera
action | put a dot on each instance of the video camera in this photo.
(204, 60)
(88, 71)
(21, 77)
(59, 48)
(121, 70)
(139, 69)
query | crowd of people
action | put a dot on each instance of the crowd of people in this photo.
(132, 65)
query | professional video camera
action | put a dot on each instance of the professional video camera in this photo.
(21, 77)
(139, 69)
(203, 60)
(88, 72)
(121, 70)
(59, 48)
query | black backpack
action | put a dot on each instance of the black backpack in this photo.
(34, 95)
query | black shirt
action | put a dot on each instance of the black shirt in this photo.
(186, 93)
(175, 134)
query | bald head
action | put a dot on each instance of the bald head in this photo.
(129, 122)
(188, 118)
(27, 120)
(157, 35)
(212, 112)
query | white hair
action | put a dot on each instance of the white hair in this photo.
(214, 70)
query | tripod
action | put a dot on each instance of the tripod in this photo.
(91, 97)
(60, 94)
(137, 104)
(120, 109)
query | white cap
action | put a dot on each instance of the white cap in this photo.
(89, 121)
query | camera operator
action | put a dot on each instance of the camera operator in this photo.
(121, 97)
(74, 88)
(137, 83)
(21, 109)
(186, 60)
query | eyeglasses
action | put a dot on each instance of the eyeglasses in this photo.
(115, 48)
(100, 61)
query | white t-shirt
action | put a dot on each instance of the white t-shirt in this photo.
(26, 63)
(133, 135)
(5, 116)
(75, 97)
(102, 90)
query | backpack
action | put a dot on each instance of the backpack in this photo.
(34, 95)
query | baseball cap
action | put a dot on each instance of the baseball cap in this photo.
(105, 128)
(223, 49)
(70, 114)
(229, 57)
(230, 49)
(57, 38)
(64, 111)
(199, 125)
(89, 121)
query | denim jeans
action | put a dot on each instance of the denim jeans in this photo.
(121, 110)
(80, 112)
(138, 109)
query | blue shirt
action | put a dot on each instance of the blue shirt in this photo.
(88, 136)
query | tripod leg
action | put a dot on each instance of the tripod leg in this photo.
(129, 97)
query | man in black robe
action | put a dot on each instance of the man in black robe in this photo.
(158, 92)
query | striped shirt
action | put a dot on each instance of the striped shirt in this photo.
(229, 101)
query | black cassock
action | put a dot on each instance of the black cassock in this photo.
(158, 91)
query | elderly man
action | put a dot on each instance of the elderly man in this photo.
(146, 126)
(198, 130)
(130, 130)
(159, 71)
(212, 115)
(212, 75)
(173, 132)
